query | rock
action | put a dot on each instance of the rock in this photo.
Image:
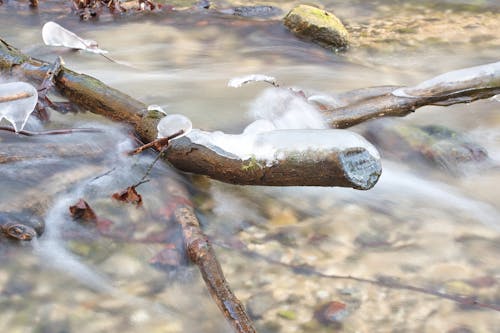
(436, 145)
(331, 313)
(317, 25)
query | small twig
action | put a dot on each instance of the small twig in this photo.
(387, 282)
(15, 97)
(52, 132)
(47, 84)
(159, 144)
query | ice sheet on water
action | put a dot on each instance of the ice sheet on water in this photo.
(17, 111)
(455, 81)
(241, 80)
(55, 35)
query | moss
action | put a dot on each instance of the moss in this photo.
(251, 164)
(155, 114)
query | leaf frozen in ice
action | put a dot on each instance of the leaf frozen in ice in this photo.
(241, 80)
(172, 124)
(17, 102)
(55, 35)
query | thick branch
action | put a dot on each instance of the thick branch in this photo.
(350, 168)
(369, 103)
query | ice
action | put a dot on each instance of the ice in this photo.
(241, 80)
(55, 35)
(259, 126)
(172, 124)
(483, 76)
(275, 145)
(286, 109)
(154, 107)
(17, 111)
(325, 100)
(285, 123)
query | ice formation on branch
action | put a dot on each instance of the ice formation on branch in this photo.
(55, 35)
(17, 102)
(478, 77)
(241, 80)
(172, 124)
(285, 124)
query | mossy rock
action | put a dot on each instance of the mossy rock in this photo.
(317, 25)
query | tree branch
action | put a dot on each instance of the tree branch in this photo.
(354, 168)
(388, 101)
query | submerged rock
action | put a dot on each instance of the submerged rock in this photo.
(317, 25)
(436, 145)
(332, 313)
(256, 11)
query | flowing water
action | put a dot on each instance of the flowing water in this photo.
(433, 227)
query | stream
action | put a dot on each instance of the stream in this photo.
(429, 225)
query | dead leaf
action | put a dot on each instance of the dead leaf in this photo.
(129, 195)
(82, 211)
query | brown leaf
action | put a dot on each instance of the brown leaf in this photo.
(129, 195)
(82, 211)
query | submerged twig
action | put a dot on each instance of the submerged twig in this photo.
(201, 253)
(385, 281)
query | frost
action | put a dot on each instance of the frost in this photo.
(55, 35)
(455, 81)
(241, 80)
(154, 107)
(172, 124)
(17, 111)
(286, 109)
